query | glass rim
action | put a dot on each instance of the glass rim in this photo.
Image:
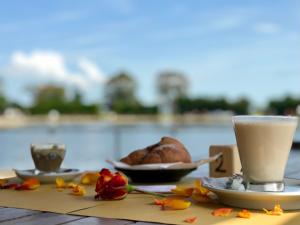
(264, 118)
(46, 146)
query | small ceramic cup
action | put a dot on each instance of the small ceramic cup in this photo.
(48, 157)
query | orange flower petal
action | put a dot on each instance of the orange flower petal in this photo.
(277, 211)
(32, 182)
(191, 219)
(172, 203)
(185, 192)
(2, 182)
(159, 201)
(244, 214)
(29, 184)
(60, 183)
(177, 204)
(222, 212)
(201, 198)
(199, 188)
(89, 178)
(78, 190)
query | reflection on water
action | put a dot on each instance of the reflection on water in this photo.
(88, 145)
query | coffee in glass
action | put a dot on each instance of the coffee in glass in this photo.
(264, 143)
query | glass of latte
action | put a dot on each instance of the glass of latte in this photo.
(264, 143)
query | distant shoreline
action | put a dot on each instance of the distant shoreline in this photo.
(24, 121)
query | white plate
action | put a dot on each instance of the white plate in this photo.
(66, 174)
(289, 199)
(164, 166)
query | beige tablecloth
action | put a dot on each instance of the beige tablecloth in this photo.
(134, 207)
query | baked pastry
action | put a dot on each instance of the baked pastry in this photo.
(168, 150)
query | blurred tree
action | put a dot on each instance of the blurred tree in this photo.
(76, 105)
(3, 101)
(171, 85)
(77, 97)
(203, 105)
(120, 91)
(241, 106)
(283, 106)
(49, 97)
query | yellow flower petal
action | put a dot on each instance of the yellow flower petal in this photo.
(60, 183)
(2, 182)
(185, 192)
(199, 188)
(89, 178)
(277, 211)
(177, 204)
(78, 190)
(200, 198)
(71, 185)
(244, 214)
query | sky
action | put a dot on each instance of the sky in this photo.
(225, 48)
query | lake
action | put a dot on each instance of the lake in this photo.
(88, 145)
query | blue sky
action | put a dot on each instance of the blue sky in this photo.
(225, 47)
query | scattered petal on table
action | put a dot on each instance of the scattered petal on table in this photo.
(199, 188)
(2, 182)
(78, 190)
(191, 219)
(277, 211)
(89, 178)
(201, 194)
(244, 214)
(222, 212)
(159, 201)
(29, 184)
(71, 185)
(201, 198)
(172, 203)
(177, 204)
(60, 183)
(181, 191)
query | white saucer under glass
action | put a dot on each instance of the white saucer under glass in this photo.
(289, 198)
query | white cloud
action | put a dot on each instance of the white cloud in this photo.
(91, 70)
(51, 66)
(267, 28)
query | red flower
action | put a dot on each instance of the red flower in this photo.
(111, 186)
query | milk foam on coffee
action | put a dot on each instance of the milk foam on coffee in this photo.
(264, 146)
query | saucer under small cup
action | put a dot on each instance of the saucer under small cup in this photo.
(64, 173)
(289, 198)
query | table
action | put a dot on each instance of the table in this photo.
(23, 216)
(10, 216)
